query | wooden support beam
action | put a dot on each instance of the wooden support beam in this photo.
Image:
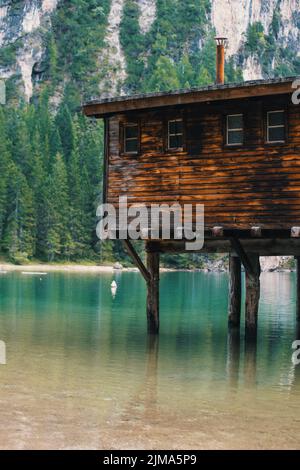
(235, 291)
(242, 235)
(298, 288)
(236, 244)
(105, 160)
(137, 260)
(263, 246)
(153, 293)
(252, 295)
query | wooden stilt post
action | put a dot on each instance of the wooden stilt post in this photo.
(252, 295)
(235, 291)
(298, 288)
(153, 292)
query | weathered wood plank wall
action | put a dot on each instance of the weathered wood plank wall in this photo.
(253, 184)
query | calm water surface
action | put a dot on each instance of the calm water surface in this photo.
(81, 372)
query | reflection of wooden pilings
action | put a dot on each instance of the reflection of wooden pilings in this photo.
(153, 292)
(150, 399)
(143, 403)
(233, 355)
(252, 295)
(298, 287)
(152, 351)
(298, 331)
(250, 360)
(296, 383)
(235, 291)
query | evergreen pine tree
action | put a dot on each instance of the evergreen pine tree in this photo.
(57, 211)
(19, 232)
(4, 163)
(66, 131)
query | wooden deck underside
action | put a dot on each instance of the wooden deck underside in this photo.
(263, 247)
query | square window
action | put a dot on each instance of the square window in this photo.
(131, 138)
(175, 134)
(276, 126)
(235, 129)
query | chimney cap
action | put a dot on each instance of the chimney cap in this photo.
(221, 41)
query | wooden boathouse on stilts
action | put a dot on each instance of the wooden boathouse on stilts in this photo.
(235, 148)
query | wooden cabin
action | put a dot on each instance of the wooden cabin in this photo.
(234, 148)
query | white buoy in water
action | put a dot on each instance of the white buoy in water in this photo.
(113, 288)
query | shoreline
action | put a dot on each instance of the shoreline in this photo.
(8, 267)
(70, 268)
(99, 269)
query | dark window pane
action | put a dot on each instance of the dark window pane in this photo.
(131, 146)
(276, 134)
(179, 127)
(179, 141)
(235, 122)
(276, 119)
(172, 127)
(131, 131)
(235, 137)
(175, 127)
(175, 142)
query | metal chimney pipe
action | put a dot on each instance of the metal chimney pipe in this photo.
(221, 43)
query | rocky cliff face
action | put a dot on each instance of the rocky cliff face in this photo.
(232, 18)
(113, 57)
(23, 24)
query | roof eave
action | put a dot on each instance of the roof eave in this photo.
(108, 107)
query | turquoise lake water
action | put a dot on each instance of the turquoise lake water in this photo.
(82, 373)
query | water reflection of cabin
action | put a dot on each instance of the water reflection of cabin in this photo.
(234, 148)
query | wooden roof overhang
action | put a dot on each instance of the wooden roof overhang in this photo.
(110, 106)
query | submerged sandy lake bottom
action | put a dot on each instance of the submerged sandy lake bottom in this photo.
(81, 372)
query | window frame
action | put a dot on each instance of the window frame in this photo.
(124, 139)
(182, 134)
(268, 127)
(237, 144)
